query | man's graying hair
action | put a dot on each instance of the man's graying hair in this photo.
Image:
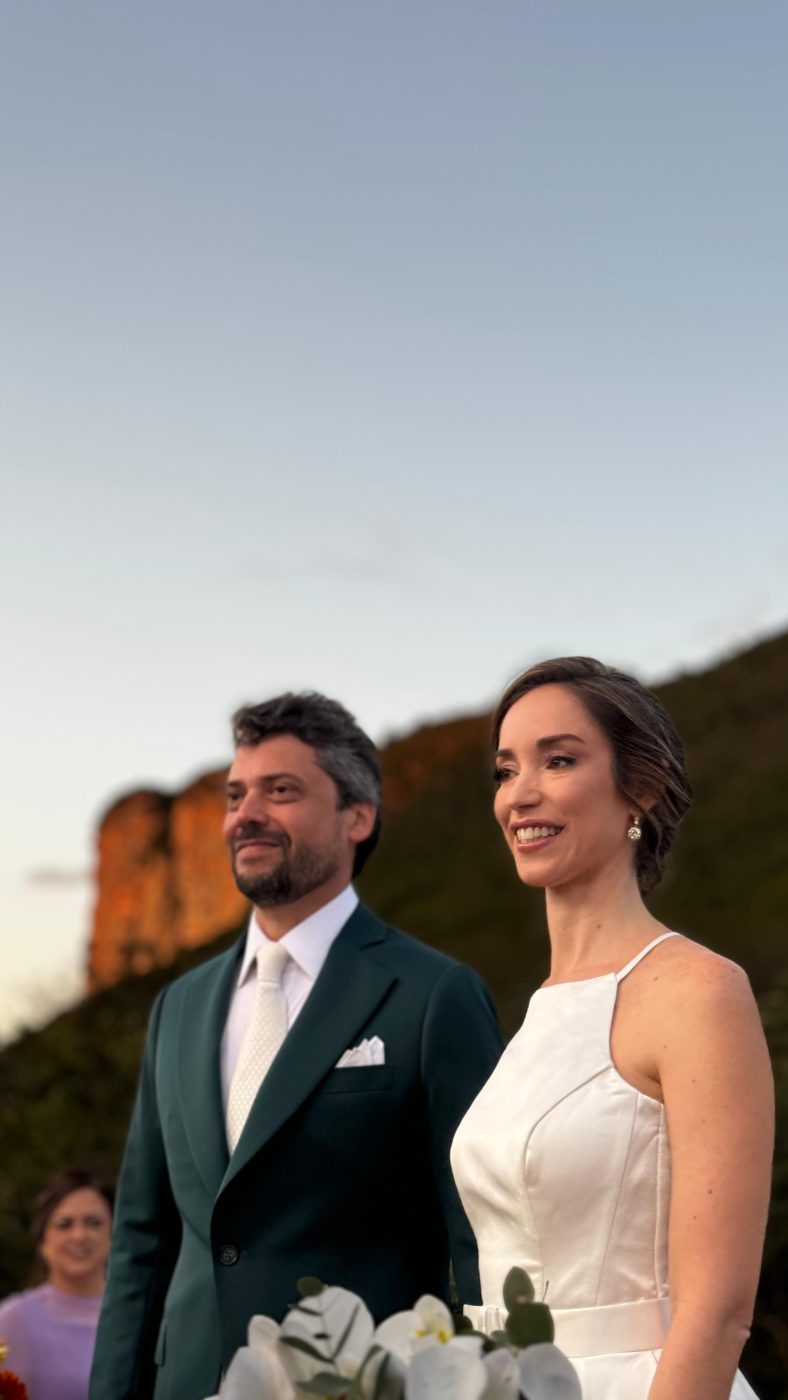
(341, 747)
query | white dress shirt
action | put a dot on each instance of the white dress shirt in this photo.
(308, 945)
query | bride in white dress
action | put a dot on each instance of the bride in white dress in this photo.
(621, 1150)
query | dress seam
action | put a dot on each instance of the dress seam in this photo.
(603, 1069)
(614, 1214)
(526, 1194)
(659, 1234)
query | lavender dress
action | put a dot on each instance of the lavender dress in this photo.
(50, 1337)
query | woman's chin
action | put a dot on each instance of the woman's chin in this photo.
(534, 879)
(90, 1278)
(536, 870)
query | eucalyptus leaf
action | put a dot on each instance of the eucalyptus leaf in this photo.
(338, 1325)
(340, 1345)
(517, 1289)
(298, 1344)
(326, 1383)
(530, 1323)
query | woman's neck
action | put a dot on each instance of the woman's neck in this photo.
(596, 926)
(91, 1287)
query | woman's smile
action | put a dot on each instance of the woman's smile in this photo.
(535, 836)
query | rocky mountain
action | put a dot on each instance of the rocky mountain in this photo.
(164, 885)
(163, 880)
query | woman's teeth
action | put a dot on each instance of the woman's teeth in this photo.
(536, 833)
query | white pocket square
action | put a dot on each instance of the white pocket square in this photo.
(369, 1052)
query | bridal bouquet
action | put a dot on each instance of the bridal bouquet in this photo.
(11, 1388)
(329, 1346)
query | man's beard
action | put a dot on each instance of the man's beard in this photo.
(298, 873)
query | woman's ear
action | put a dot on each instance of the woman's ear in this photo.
(643, 802)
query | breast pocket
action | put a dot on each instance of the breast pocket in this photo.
(358, 1079)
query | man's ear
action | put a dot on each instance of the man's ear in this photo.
(364, 815)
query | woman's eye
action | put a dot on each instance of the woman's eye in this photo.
(500, 775)
(560, 760)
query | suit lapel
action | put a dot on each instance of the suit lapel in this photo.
(199, 1077)
(349, 988)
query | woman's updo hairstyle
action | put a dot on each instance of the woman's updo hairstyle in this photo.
(648, 757)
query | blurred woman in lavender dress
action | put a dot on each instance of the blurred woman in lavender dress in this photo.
(50, 1330)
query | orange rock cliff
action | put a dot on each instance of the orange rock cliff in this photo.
(163, 878)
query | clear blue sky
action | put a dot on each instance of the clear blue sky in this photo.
(374, 347)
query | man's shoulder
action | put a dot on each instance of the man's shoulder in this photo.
(202, 977)
(404, 952)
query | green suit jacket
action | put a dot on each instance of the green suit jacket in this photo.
(339, 1173)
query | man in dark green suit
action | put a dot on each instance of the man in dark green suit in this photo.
(297, 1121)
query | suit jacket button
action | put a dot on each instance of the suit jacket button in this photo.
(228, 1254)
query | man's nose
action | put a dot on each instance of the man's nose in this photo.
(249, 808)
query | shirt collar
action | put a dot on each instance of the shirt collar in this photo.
(308, 943)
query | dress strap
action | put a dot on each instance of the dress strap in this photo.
(639, 956)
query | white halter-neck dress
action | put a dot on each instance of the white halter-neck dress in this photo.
(564, 1170)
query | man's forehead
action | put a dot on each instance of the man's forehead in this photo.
(278, 753)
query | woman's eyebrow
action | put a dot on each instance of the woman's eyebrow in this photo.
(545, 743)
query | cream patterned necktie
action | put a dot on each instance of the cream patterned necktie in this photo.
(264, 1035)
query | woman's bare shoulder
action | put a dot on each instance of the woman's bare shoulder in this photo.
(683, 973)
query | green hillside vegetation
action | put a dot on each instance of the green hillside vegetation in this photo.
(442, 873)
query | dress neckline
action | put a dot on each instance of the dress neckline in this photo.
(617, 976)
(578, 982)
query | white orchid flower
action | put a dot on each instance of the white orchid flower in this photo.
(255, 1375)
(328, 1331)
(391, 1383)
(427, 1324)
(331, 1333)
(450, 1372)
(256, 1371)
(546, 1374)
(264, 1336)
(503, 1375)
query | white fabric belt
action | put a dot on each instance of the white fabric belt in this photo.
(618, 1327)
